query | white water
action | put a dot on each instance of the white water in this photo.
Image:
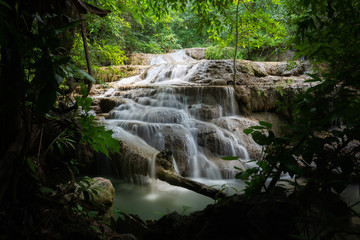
(166, 118)
(182, 120)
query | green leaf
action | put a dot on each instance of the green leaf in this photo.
(247, 131)
(230, 158)
(246, 174)
(266, 124)
(46, 190)
(79, 207)
(31, 164)
(312, 80)
(257, 127)
(96, 193)
(262, 164)
(260, 138)
(92, 213)
(5, 5)
(59, 79)
(86, 76)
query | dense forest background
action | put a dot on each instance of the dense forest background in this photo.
(49, 49)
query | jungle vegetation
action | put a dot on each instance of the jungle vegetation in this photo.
(43, 61)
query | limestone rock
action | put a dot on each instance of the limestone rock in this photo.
(252, 68)
(107, 104)
(237, 126)
(104, 104)
(134, 159)
(105, 192)
(177, 141)
(97, 190)
(196, 53)
(139, 59)
(205, 112)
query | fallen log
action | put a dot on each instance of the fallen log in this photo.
(174, 179)
(165, 171)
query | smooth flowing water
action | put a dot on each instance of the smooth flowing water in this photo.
(164, 109)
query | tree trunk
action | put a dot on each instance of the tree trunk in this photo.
(86, 48)
(175, 179)
(236, 41)
(12, 119)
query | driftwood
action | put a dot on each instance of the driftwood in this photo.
(165, 171)
(174, 179)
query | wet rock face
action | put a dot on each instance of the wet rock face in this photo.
(179, 141)
(236, 126)
(205, 112)
(164, 160)
(185, 105)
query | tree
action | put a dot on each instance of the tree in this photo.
(35, 78)
(322, 144)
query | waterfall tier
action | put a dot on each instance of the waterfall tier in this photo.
(185, 106)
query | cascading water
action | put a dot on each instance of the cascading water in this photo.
(164, 109)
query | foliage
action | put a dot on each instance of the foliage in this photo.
(258, 29)
(321, 145)
(188, 29)
(101, 54)
(261, 23)
(157, 27)
(93, 134)
(40, 136)
(217, 52)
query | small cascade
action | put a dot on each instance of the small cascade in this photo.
(187, 109)
(167, 110)
(152, 167)
(178, 56)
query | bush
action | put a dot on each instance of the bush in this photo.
(101, 54)
(217, 53)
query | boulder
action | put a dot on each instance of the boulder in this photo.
(96, 193)
(104, 191)
(196, 53)
(104, 104)
(107, 104)
(252, 68)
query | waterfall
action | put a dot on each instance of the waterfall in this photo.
(166, 109)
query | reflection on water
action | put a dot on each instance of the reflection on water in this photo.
(156, 198)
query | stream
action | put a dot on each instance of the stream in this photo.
(168, 107)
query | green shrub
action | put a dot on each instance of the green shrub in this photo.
(217, 53)
(101, 53)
